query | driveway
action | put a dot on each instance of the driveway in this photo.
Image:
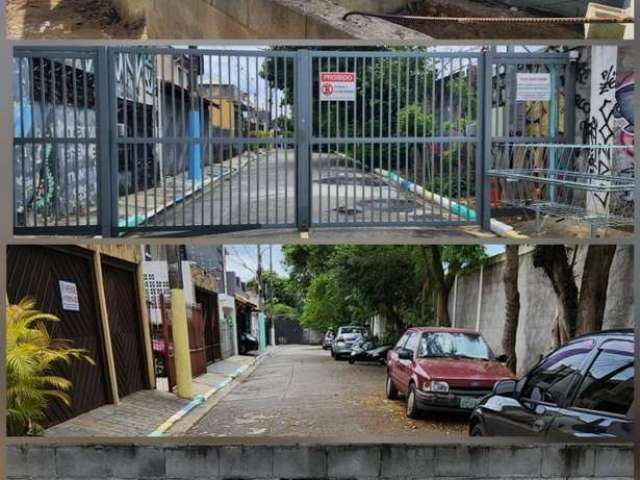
(262, 191)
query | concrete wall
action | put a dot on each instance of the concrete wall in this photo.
(262, 19)
(130, 10)
(172, 460)
(537, 303)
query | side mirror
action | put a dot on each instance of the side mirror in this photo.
(505, 388)
(502, 358)
(405, 354)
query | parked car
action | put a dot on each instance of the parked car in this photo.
(442, 369)
(345, 339)
(248, 343)
(369, 351)
(582, 389)
(327, 340)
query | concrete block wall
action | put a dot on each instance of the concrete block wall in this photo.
(537, 303)
(166, 459)
(261, 19)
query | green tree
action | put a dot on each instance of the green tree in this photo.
(351, 283)
(441, 265)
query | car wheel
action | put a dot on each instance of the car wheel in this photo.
(477, 430)
(412, 403)
(390, 389)
(336, 357)
(351, 360)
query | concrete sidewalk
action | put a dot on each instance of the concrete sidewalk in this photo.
(152, 412)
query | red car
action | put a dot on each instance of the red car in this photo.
(442, 369)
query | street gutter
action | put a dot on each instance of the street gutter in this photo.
(201, 400)
(497, 227)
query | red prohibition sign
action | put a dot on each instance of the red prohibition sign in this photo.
(327, 89)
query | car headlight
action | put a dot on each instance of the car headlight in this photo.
(436, 387)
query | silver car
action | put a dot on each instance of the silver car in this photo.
(344, 340)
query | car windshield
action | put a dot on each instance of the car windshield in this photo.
(351, 330)
(454, 345)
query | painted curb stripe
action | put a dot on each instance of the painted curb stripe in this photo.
(199, 400)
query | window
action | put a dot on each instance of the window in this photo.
(402, 341)
(454, 345)
(608, 386)
(551, 381)
(412, 343)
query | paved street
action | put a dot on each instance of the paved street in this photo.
(262, 191)
(301, 391)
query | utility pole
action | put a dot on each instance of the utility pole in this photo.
(261, 313)
(259, 278)
(179, 328)
(272, 329)
(224, 270)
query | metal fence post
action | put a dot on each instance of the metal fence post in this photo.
(484, 143)
(104, 135)
(303, 101)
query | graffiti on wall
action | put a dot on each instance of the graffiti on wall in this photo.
(610, 122)
(52, 178)
(624, 111)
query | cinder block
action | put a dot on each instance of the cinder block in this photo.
(567, 461)
(246, 462)
(131, 461)
(353, 461)
(191, 462)
(402, 461)
(299, 462)
(515, 461)
(81, 462)
(455, 461)
(16, 458)
(613, 461)
(42, 462)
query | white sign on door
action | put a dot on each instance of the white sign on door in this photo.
(69, 296)
(533, 87)
(337, 86)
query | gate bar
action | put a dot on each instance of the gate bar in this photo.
(105, 91)
(303, 99)
(485, 87)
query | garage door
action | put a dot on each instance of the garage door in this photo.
(36, 271)
(125, 324)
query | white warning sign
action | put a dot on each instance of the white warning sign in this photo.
(533, 87)
(337, 86)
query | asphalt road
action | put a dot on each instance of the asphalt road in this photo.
(262, 191)
(300, 391)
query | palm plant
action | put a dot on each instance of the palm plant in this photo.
(32, 356)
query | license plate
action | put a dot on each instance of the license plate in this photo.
(468, 402)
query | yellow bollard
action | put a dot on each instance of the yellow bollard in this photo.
(181, 353)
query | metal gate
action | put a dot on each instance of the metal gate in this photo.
(147, 139)
(403, 149)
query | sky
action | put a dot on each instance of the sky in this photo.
(243, 259)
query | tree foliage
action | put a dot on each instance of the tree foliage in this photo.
(344, 284)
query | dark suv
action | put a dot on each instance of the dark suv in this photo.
(582, 389)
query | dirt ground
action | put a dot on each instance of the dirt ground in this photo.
(465, 8)
(66, 19)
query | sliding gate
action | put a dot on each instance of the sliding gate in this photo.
(119, 140)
